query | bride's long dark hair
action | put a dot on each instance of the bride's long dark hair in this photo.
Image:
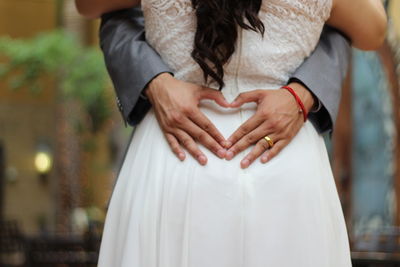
(217, 32)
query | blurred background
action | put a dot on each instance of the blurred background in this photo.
(62, 140)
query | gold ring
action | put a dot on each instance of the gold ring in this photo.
(269, 140)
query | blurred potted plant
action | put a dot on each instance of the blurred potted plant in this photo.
(79, 71)
(83, 104)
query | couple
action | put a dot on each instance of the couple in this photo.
(257, 188)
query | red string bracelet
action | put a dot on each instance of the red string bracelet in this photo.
(298, 100)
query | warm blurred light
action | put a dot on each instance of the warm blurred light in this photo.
(43, 162)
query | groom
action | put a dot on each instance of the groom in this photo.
(138, 74)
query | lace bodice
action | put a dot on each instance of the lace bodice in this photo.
(292, 30)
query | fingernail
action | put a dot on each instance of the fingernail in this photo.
(245, 163)
(181, 156)
(264, 159)
(221, 153)
(234, 103)
(229, 155)
(202, 159)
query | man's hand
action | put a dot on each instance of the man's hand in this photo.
(176, 107)
(277, 116)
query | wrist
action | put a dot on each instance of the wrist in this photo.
(308, 99)
(156, 84)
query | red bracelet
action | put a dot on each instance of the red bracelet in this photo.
(298, 100)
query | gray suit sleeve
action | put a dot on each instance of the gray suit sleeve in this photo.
(323, 74)
(131, 62)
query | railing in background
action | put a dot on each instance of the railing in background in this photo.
(2, 179)
(17, 250)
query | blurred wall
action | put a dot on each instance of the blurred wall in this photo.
(25, 121)
(394, 13)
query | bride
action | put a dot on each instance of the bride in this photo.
(233, 211)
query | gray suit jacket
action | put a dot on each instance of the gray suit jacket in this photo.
(132, 63)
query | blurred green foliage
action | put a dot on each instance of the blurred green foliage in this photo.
(79, 72)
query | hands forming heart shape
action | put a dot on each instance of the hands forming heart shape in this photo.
(176, 105)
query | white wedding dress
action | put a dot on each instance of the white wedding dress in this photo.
(286, 213)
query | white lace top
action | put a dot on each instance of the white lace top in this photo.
(292, 30)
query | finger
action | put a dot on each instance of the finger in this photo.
(206, 125)
(258, 149)
(246, 141)
(248, 126)
(203, 138)
(252, 96)
(187, 142)
(213, 94)
(271, 153)
(285, 138)
(175, 147)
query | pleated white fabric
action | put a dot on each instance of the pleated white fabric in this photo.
(167, 213)
(286, 213)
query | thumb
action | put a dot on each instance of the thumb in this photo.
(213, 94)
(251, 96)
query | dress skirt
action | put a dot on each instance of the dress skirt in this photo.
(168, 213)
